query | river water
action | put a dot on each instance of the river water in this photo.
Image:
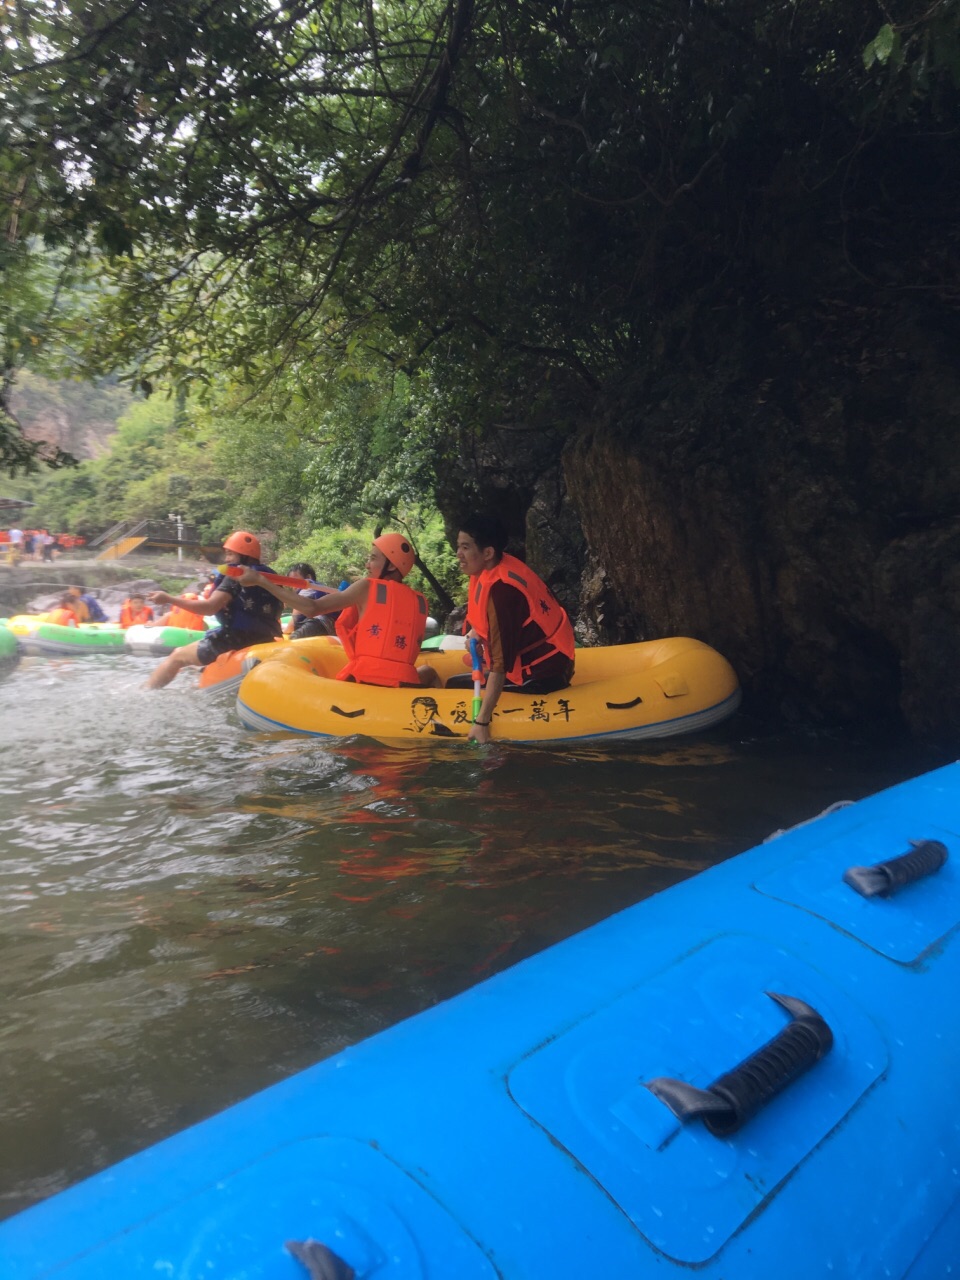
(189, 912)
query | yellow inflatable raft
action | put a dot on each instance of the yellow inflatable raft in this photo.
(650, 690)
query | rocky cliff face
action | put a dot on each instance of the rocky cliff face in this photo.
(800, 512)
(788, 492)
(76, 417)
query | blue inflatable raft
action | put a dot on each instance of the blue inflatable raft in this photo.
(750, 1075)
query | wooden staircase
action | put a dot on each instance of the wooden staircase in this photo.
(119, 549)
(163, 536)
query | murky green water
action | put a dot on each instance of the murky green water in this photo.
(189, 912)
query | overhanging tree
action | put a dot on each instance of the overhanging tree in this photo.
(525, 200)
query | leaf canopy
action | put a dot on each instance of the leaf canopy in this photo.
(505, 196)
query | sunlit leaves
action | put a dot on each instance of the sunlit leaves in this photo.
(884, 46)
(916, 57)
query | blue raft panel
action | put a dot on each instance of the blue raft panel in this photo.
(513, 1132)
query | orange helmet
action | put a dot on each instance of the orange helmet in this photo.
(245, 544)
(397, 550)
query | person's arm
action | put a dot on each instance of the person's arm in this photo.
(480, 729)
(355, 594)
(496, 676)
(506, 608)
(219, 600)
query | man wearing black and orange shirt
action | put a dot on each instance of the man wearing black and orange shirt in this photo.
(527, 637)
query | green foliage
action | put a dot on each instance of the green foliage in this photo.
(87, 498)
(318, 486)
(361, 236)
(340, 553)
(883, 48)
(336, 554)
(373, 450)
(435, 550)
(32, 305)
(915, 57)
(286, 188)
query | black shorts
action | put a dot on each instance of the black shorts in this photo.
(318, 626)
(220, 641)
(545, 684)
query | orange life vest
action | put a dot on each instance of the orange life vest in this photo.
(178, 617)
(62, 617)
(545, 610)
(383, 645)
(129, 618)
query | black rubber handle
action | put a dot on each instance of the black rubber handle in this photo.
(321, 1263)
(733, 1098)
(885, 878)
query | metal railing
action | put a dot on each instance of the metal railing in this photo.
(122, 529)
(153, 530)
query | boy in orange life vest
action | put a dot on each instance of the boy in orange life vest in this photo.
(134, 612)
(383, 620)
(527, 637)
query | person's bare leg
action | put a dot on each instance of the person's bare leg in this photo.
(429, 678)
(172, 665)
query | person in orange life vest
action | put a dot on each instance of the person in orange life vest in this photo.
(134, 612)
(180, 616)
(382, 622)
(246, 615)
(65, 614)
(527, 638)
(86, 606)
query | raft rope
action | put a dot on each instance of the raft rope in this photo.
(831, 808)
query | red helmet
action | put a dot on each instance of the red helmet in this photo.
(245, 544)
(397, 550)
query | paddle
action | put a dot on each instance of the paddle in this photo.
(477, 661)
(282, 580)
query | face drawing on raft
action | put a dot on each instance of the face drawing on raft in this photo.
(426, 714)
(424, 710)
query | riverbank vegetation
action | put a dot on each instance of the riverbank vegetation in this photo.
(317, 484)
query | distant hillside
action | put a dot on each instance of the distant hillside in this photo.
(77, 417)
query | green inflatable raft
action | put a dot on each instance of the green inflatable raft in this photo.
(51, 640)
(156, 642)
(9, 644)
